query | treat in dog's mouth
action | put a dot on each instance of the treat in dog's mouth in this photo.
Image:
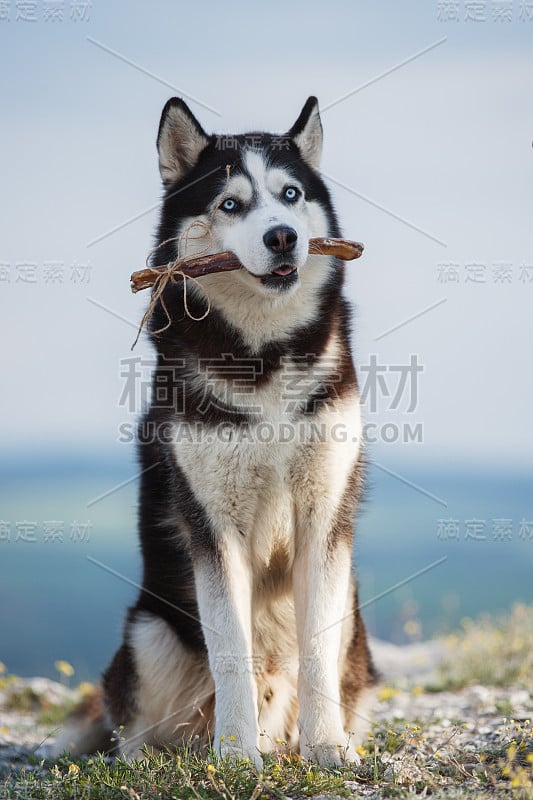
(227, 261)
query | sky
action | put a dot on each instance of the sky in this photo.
(428, 125)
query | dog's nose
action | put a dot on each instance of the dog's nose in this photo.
(281, 239)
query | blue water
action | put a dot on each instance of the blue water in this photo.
(55, 603)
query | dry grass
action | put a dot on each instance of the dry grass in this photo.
(491, 651)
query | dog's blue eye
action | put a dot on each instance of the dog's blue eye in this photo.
(230, 204)
(291, 194)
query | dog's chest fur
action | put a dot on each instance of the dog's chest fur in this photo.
(256, 479)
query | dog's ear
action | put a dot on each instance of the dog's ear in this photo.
(307, 133)
(180, 140)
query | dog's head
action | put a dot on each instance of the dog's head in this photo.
(260, 195)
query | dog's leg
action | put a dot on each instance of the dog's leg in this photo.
(326, 501)
(223, 586)
(321, 584)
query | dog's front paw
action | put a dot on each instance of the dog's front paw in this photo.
(329, 755)
(231, 748)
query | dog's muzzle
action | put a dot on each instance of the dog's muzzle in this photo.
(281, 240)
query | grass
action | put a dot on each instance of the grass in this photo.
(396, 763)
(174, 775)
(406, 759)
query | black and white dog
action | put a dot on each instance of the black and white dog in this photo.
(247, 633)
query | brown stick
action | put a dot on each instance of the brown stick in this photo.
(340, 248)
(228, 261)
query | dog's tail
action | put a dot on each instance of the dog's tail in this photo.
(87, 729)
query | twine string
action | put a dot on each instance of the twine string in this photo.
(174, 269)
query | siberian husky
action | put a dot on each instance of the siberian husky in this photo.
(246, 635)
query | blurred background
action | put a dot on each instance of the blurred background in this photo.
(428, 125)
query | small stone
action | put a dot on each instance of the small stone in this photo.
(404, 772)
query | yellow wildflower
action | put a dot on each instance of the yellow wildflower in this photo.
(64, 668)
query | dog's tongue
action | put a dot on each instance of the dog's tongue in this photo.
(283, 271)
